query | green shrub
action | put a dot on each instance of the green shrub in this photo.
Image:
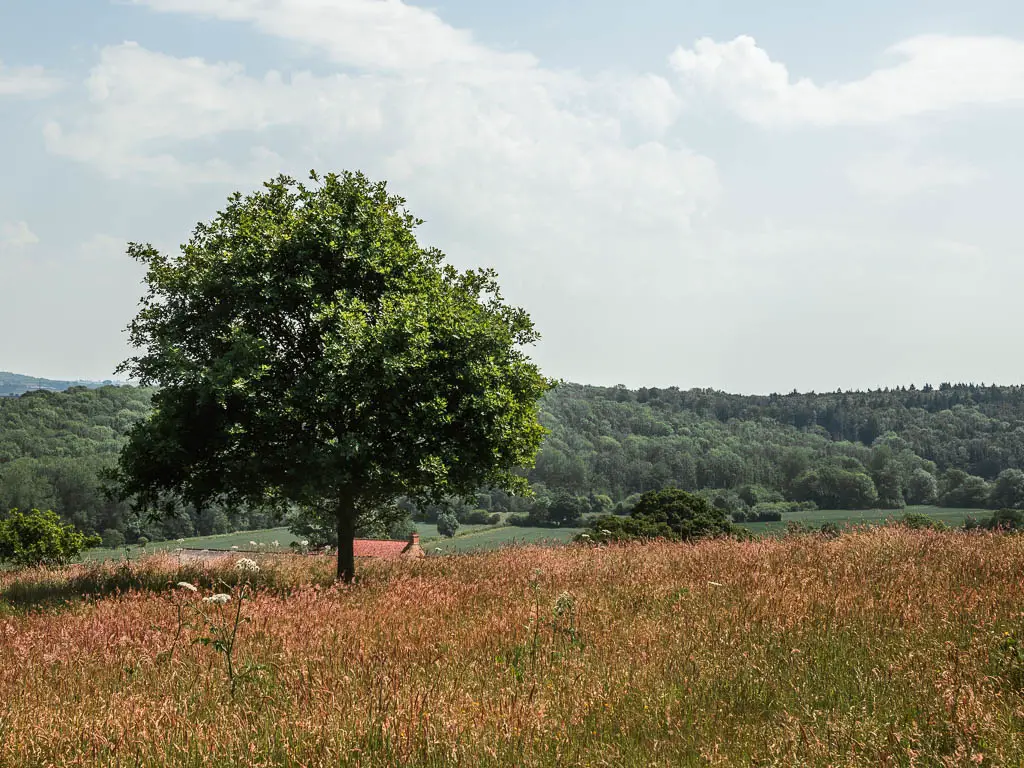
(112, 538)
(40, 538)
(1005, 520)
(1009, 520)
(671, 513)
(830, 530)
(447, 524)
(917, 521)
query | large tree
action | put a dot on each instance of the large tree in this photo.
(309, 352)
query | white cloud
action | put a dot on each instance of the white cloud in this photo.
(380, 35)
(577, 188)
(29, 82)
(935, 73)
(16, 236)
(894, 175)
(487, 142)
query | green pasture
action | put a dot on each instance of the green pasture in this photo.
(851, 517)
(484, 537)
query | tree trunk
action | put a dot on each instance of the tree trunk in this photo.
(346, 543)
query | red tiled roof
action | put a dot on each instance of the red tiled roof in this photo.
(379, 548)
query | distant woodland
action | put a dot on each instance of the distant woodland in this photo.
(756, 456)
(17, 384)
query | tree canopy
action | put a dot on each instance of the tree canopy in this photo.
(310, 352)
(669, 513)
(40, 538)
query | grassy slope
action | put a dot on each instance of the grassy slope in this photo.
(847, 517)
(482, 537)
(243, 539)
(495, 538)
(878, 648)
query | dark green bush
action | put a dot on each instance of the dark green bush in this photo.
(917, 521)
(447, 524)
(112, 538)
(1005, 520)
(40, 538)
(671, 513)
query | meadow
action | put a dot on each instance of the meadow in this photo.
(479, 538)
(883, 646)
(845, 518)
(267, 539)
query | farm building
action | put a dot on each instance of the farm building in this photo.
(389, 549)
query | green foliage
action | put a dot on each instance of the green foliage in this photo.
(670, 513)
(310, 352)
(112, 538)
(616, 528)
(832, 487)
(1010, 520)
(830, 530)
(608, 443)
(1008, 490)
(922, 487)
(40, 538)
(620, 442)
(567, 509)
(918, 521)
(1008, 660)
(959, 489)
(447, 524)
(311, 529)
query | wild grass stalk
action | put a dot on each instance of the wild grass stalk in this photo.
(883, 647)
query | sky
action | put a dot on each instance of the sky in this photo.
(755, 197)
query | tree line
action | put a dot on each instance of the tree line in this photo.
(957, 445)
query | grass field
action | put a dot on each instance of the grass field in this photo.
(495, 538)
(849, 517)
(484, 537)
(243, 540)
(887, 647)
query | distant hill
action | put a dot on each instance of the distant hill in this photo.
(17, 384)
(958, 445)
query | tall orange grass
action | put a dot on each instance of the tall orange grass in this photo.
(882, 647)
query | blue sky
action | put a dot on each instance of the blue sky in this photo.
(748, 196)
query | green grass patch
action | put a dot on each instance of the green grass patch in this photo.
(851, 517)
(498, 537)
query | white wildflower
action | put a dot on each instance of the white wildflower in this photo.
(606, 532)
(245, 564)
(304, 543)
(253, 544)
(276, 543)
(235, 548)
(189, 587)
(220, 599)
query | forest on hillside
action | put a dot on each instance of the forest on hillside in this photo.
(957, 445)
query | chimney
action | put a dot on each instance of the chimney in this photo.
(414, 539)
